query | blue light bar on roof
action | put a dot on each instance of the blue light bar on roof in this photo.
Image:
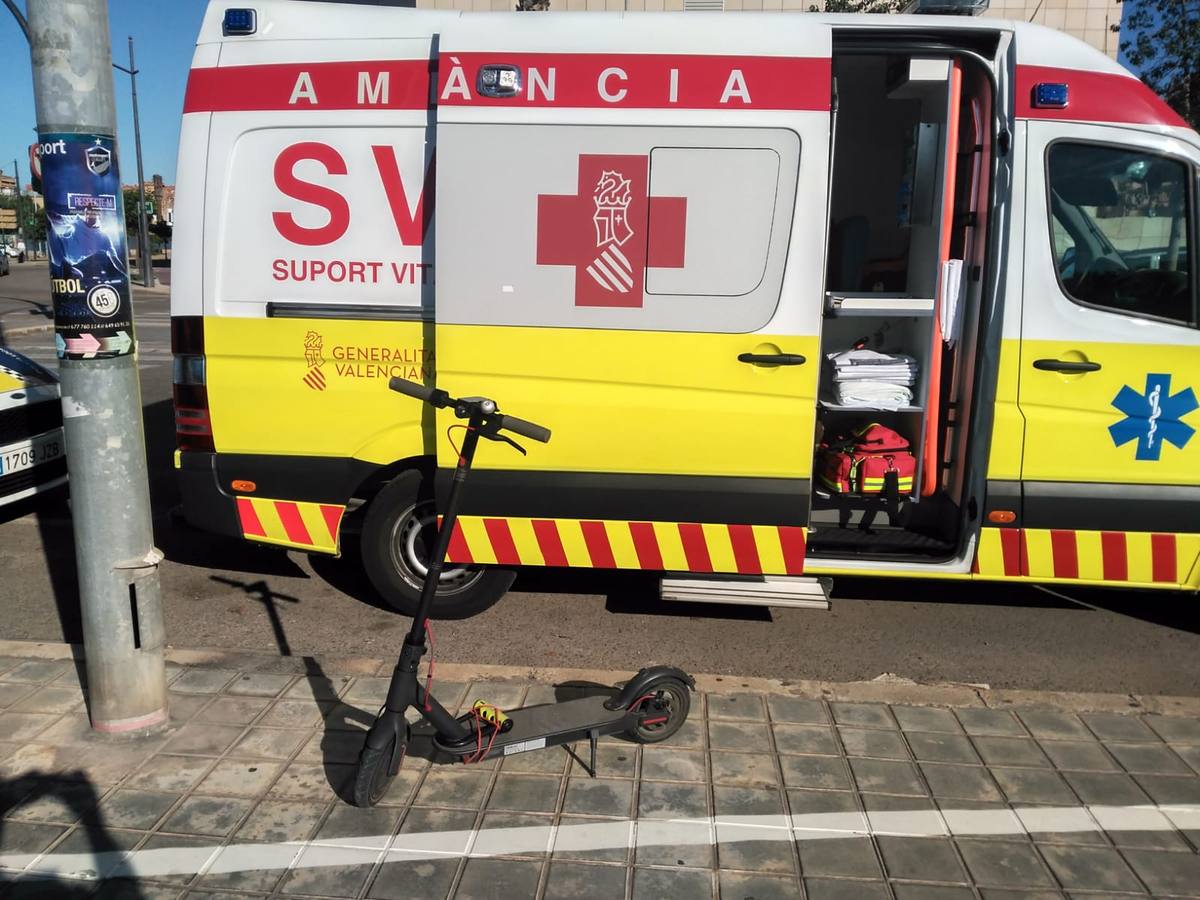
(239, 22)
(1051, 95)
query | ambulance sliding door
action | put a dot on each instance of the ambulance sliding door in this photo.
(1110, 356)
(622, 256)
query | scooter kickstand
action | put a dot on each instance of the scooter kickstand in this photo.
(593, 739)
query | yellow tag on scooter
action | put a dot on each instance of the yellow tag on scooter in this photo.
(492, 715)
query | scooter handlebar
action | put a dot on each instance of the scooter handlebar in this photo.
(412, 389)
(440, 399)
(525, 429)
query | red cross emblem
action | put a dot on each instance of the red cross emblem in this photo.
(611, 230)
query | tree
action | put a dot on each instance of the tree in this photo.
(131, 210)
(1162, 44)
(161, 230)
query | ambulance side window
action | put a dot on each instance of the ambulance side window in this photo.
(1121, 228)
(730, 209)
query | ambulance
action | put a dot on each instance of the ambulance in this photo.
(657, 235)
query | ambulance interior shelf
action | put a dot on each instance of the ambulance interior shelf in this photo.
(888, 215)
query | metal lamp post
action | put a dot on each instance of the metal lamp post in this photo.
(143, 235)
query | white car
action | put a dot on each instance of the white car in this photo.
(32, 450)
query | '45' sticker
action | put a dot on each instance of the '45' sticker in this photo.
(1153, 417)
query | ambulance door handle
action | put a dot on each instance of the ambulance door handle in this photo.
(772, 359)
(1066, 365)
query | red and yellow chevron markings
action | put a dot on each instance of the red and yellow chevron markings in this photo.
(1100, 557)
(659, 546)
(290, 523)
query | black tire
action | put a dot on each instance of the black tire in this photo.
(374, 776)
(671, 698)
(398, 535)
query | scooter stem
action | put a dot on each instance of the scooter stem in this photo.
(416, 635)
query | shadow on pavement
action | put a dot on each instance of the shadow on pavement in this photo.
(341, 718)
(76, 792)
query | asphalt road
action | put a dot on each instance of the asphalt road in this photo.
(217, 592)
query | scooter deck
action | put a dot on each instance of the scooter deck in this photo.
(549, 725)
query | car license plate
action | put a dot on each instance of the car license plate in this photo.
(39, 450)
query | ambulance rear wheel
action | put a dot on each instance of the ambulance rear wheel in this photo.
(397, 538)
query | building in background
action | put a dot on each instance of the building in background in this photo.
(160, 197)
(1095, 21)
(8, 185)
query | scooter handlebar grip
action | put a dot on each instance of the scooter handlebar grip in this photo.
(411, 388)
(525, 429)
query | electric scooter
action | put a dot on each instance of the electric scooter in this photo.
(649, 708)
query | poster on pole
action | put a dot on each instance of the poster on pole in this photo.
(85, 235)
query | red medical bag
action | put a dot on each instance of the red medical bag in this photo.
(861, 461)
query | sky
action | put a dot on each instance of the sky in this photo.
(164, 36)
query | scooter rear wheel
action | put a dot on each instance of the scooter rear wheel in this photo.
(667, 709)
(375, 772)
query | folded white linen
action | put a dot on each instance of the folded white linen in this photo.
(878, 394)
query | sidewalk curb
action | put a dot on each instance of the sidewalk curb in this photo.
(891, 690)
(28, 329)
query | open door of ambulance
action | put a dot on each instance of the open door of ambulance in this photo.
(1110, 357)
(629, 251)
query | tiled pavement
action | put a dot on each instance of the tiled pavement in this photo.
(762, 795)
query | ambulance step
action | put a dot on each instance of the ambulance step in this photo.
(794, 593)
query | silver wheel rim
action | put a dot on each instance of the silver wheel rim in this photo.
(408, 559)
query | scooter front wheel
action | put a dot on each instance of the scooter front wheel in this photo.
(376, 770)
(664, 710)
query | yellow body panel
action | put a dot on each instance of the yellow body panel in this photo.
(265, 397)
(1008, 427)
(652, 402)
(1067, 416)
(638, 401)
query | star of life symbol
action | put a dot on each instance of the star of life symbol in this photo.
(1153, 417)
(313, 343)
(611, 269)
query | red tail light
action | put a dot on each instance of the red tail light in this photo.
(193, 427)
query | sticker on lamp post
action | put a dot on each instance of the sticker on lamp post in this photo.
(89, 269)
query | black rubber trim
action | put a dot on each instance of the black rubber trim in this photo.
(1005, 495)
(359, 311)
(1112, 507)
(622, 497)
(205, 505)
(313, 479)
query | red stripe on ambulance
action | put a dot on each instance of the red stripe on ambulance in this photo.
(1094, 97)
(458, 551)
(745, 551)
(596, 538)
(549, 542)
(1011, 541)
(645, 544)
(293, 525)
(1066, 554)
(1164, 564)
(366, 84)
(251, 526)
(792, 540)
(695, 548)
(502, 542)
(333, 518)
(1114, 556)
(644, 81)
